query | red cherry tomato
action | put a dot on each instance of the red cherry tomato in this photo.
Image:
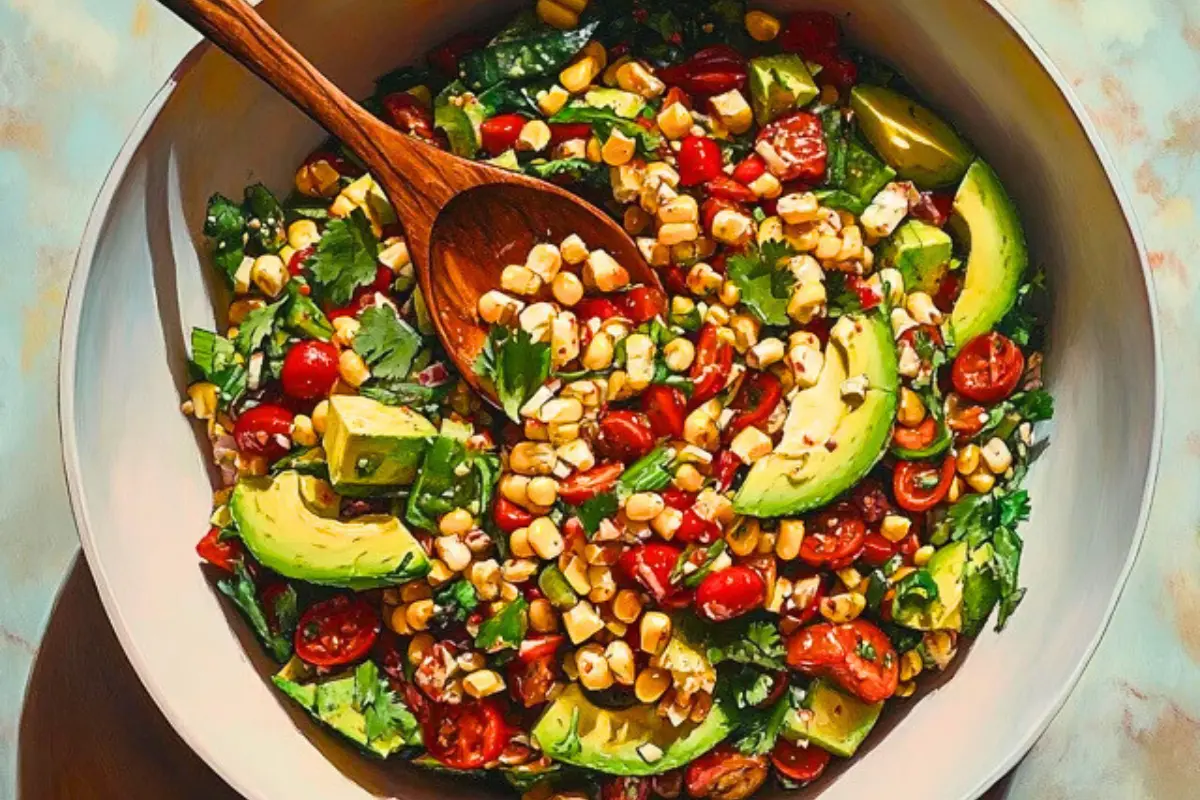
(677, 95)
(337, 631)
(624, 436)
(916, 438)
(295, 264)
(566, 131)
(755, 402)
(536, 647)
(509, 516)
(966, 421)
(678, 499)
(499, 133)
(837, 70)
(219, 553)
(264, 430)
(857, 656)
(530, 681)
(650, 565)
(799, 140)
(800, 764)
(724, 773)
(708, 72)
(310, 369)
(727, 188)
(812, 606)
(730, 593)
(869, 296)
(750, 169)
(674, 277)
(835, 535)
(877, 550)
(409, 115)
(948, 291)
(466, 735)
(988, 369)
(919, 485)
(725, 469)
(641, 304)
(695, 529)
(596, 308)
(810, 33)
(444, 58)
(699, 160)
(583, 486)
(666, 409)
(710, 371)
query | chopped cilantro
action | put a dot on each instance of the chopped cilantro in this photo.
(225, 225)
(455, 601)
(345, 258)
(766, 286)
(757, 643)
(594, 510)
(747, 687)
(515, 364)
(387, 343)
(215, 359)
(385, 714)
(604, 121)
(265, 225)
(505, 629)
(242, 590)
(257, 326)
(760, 728)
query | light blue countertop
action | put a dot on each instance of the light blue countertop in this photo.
(74, 75)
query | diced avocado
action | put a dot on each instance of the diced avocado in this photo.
(630, 741)
(909, 137)
(506, 160)
(832, 719)
(331, 702)
(622, 103)
(421, 310)
(373, 448)
(981, 590)
(287, 535)
(829, 444)
(921, 252)
(985, 217)
(558, 591)
(945, 612)
(779, 84)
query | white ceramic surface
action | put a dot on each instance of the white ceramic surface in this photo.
(140, 488)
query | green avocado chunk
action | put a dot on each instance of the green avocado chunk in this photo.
(622, 103)
(945, 613)
(981, 590)
(921, 252)
(832, 719)
(779, 84)
(332, 703)
(909, 137)
(630, 741)
(287, 532)
(985, 217)
(830, 443)
(373, 448)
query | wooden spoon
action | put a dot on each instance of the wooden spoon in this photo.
(464, 221)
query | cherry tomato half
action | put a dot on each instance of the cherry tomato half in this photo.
(710, 370)
(713, 70)
(857, 656)
(467, 735)
(596, 308)
(724, 773)
(650, 565)
(641, 304)
(695, 529)
(919, 485)
(699, 160)
(310, 369)
(835, 535)
(219, 553)
(509, 516)
(336, 631)
(624, 436)
(500, 133)
(264, 430)
(877, 550)
(727, 188)
(749, 169)
(934, 207)
(800, 764)
(988, 369)
(566, 131)
(799, 140)
(666, 409)
(725, 469)
(583, 486)
(730, 593)
(295, 264)
(917, 438)
(755, 402)
(965, 421)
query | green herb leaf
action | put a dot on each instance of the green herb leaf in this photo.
(215, 359)
(265, 219)
(455, 601)
(515, 364)
(760, 730)
(604, 121)
(387, 343)
(917, 589)
(386, 716)
(650, 473)
(225, 225)
(345, 258)
(594, 510)
(1006, 564)
(747, 687)
(757, 643)
(572, 745)
(505, 629)
(257, 326)
(1034, 406)
(242, 591)
(766, 285)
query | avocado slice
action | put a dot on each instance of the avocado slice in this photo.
(921, 252)
(985, 217)
(911, 138)
(331, 703)
(945, 613)
(622, 103)
(981, 590)
(373, 448)
(829, 445)
(831, 719)
(779, 84)
(287, 535)
(630, 741)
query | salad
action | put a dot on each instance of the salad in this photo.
(705, 537)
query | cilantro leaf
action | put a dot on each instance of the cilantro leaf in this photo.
(384, 713)
(572, 745)
(747, 687)
(1034, 406)
(757, 643)
(917, 590)
(257, 326)
(242, 591)
(345, 257)
(387, 343)
(840, 298)
(603, 121)
(505, 629)
(455, 601)
(766, 286)
(265, 219)
(1012, 508)
(516, 365)
(594, 510)
(761, 728)
(577, 169)
(1006, 564)
(225, 225)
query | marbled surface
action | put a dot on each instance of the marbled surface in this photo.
(74, 74)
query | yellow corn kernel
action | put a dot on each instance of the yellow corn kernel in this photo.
(981, 481)
(483, 682)
(895, 527)
(840, 608)
(912, 410)
(791, 535)
(542, 616)
(557, 15)
(352, 369)
(761, 26)
(655, 630)
(545, 538)
(967, 460)
(910, 665)
(651, 684)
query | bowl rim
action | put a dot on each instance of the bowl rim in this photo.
(68, 350)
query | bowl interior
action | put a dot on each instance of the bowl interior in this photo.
(141, 489)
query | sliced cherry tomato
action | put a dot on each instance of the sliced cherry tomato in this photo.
(869, 296)
(835, 535)
(917, 438)
(677, 95)
(706, 79)
(596, 308)
(755, 402)
(965, 421)
(730, 593)
(699, 160)
(710, 371)
(666, 409)
(727, 188)
(811, 34)
(650, 565)
(409, 115)
(220, 554)
(695, 529)
(295, 264)
(799, 141)
(641, 303)
(877, 550)
(919, 485)
(566, 131)
(530, 681)
(678, 499)
(719, 55)
(583, 486)
(725, 469)
(264, 430)
(724, 773)
(444, 58)
(749, 169)
(800, 764)
(625, 788)
(988, 369)
(857, 656)
(310, 369)
(624, 436)
(337, 631)
(500, 133)
(467, 735)
(674, 277)
(509, 516)
(536, 647)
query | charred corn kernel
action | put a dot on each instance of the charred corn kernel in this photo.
(627, 606)
(536, 431)
(920, 305)
(910, 665)
(967, 459)
(240, 309)
(203, 399)
(609, 76)
(418, 614)
(651, 684)
(643, 506)
(498, 308)
(567, 288)
(318, 179)
(840, 608)
(751, 444)
(594, 150)
(602, 272)
(344, 331)
(594, 672)
(534, 136)
(352, 368)
(981, 481)
(551, 101)
(667, 523)
(582, 622)
(675, 121)
(518, 570)
(577, 453)
(996, 455)
(765, 353)
(895, 527)
(483, 683)
(453, 552)
(956, 490)
(471, 661)
(635, 220)
(778, 595)
(798, 208)
(905, 689)
(618, 386)
(538, 320)
(688, 478)
(573, 250)
(456, 522)
(302, 233)
(703, 280)
(542, 616)
(532, 458)
(320, 416)
(419, 647)
(679, 354)
(574, 569)
(603, 586)
(398, 620)
(543, 490)
(732, 227)
(761, 26)
(923, 554)
(655, 631)
(912, 410)
(676, 232)
(679, 209)
(269, 274)
(733, 111)
(940, 647)
(791, 535)
(515, 489)
(701, 429)
(599, 352)
(578, 76)
(745, 331)
(850, 577)
(743, 538)
(519, 280)
(518, 543)
(545, 539)
(439, 573)
(618, 149)
(633, 76)
(560, 410)
(621, 662)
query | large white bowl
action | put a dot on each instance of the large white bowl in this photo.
(137, 470)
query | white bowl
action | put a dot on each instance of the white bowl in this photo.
(137, 469)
